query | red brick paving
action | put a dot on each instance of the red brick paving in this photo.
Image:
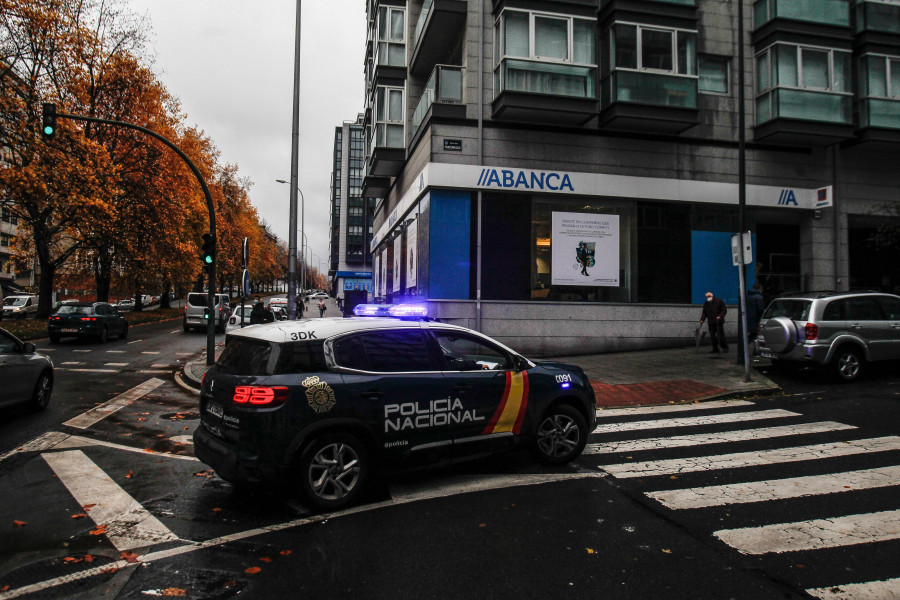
(656, 392)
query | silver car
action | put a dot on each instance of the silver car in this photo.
(20, 307)
(27, 376)
(839, 330)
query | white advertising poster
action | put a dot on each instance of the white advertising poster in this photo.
(398, 256)
(412, 237)
(585, 249)
(383, 282)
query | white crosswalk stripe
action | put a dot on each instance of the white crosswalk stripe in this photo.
(770, 537)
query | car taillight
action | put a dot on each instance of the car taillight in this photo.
(812, 331)
(260, 395)
(55, 318)
(88, 318)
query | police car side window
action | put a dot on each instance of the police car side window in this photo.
(386, 351)
(301, 357)
(462, 352)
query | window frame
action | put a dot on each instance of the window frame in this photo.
(724, 60)
(771, 51)
(639, 49)
(500, 38)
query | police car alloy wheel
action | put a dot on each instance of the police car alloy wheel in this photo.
(333, 470)
(561, 435)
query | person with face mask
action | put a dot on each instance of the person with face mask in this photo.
(714, 314)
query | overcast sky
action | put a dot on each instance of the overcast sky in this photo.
(231, 63)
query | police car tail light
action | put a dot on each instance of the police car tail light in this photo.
(260, 395)
(812, 331)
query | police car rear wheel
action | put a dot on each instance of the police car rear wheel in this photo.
(332, 471)
(561, 435)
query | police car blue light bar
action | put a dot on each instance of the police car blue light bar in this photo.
(390, 310)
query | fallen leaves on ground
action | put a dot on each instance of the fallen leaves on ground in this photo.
(207, 473)
(265, 559)
(590, 550)
(174, 592)
(127, 556)
(78, 516)
(88, 507)
(20, 523)
(252, 570)
(285, 552)
(129, 475)
(101, 529)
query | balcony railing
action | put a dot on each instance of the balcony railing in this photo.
(825, 12)
(879, 112)
(877, 16)
(655, 89)
(535, 77)
(443, 87)
(423, 18)
(822, 107)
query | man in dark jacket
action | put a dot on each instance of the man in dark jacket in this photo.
(258, 314)
(714, 314)
(755, 306)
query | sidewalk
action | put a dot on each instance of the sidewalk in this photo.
(675, 375)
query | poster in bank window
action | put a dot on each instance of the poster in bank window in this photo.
(585, 249)
(398, 254)
(412, 241)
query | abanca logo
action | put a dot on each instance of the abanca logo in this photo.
(506, 179)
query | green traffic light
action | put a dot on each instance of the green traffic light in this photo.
(48, 130)
(208, 259)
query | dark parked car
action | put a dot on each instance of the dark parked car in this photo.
(322, 404)
(97, 320)
(27, 376)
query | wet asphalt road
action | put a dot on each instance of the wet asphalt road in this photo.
(501, 527)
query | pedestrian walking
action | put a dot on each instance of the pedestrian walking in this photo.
(713, 313)
(258, 313)
(321, 307)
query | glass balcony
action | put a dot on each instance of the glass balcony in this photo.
(877, 16)
(822, 107)
(825, 12)
(423, 18)
(443, 87)
(879, 112)
(535, 77)
(650, 88)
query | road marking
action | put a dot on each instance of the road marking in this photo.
(149, 352)
(695, 421)
(116, 364)
(814, 535)
(752, 459)
(39, 444)
(77, 441)
(194, 546)
(134, 342)
(646, 410)
(778, 489)
(175, 331)
(128, 524)
(725, 437)
(115, 352)
(86, 419)
(82, 351)
(159, 366)
(154, 371)
(885, 589)
(72, 363)
(88, 370)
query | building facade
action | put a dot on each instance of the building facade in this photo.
(350, 260)
(567, 175)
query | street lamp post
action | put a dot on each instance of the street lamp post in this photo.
(292, 268)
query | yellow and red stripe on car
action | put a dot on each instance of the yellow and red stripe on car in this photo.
(511, 410)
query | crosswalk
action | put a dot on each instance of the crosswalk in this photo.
(760, 466)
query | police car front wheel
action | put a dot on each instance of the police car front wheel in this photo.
(332, 471)
(561, 435)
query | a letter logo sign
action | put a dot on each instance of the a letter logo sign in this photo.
(520, 179)
(787, 198)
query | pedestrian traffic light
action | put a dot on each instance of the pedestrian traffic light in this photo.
(48, 122)
(208, 253)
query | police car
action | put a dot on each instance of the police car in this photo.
(322, 404)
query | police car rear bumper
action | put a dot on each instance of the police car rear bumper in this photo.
(228, 462)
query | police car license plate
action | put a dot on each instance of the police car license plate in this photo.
(215, 409)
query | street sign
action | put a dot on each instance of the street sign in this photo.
(747, 246)
(245, 253)
(245, 283)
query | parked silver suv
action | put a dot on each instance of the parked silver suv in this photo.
(840, 330)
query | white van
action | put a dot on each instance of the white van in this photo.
(195, 311)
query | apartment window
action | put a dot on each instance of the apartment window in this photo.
(826, 12)
(654, 49)
(803, 82)
(391, 34)
(713, 71)
(879, 91)
(4, 240)
(389, 108)
(545, 54)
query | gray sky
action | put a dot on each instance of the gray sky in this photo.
(231, 64)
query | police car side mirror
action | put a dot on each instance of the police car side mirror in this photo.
(519, 363)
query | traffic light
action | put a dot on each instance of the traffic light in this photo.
(48, 122)
(208, 253)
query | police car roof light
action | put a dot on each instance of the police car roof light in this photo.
(371, 310)
(403, 311)
(408, 310)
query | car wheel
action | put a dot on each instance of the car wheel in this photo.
(124, 333)
(561, 436)
(847, 364)
(54, 338)
(333, 471)
(40, 397)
